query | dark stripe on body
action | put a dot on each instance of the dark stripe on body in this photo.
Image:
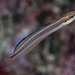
(39, 35)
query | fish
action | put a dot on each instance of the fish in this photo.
(26, 44)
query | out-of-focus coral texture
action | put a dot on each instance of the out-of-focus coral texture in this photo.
(53, 56)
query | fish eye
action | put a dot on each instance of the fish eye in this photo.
(71, 16)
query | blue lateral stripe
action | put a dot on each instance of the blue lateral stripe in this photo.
(29, 35)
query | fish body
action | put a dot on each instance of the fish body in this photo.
(27, 43)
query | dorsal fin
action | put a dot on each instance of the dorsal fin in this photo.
(32, 33)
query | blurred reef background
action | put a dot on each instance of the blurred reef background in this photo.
(53, 56)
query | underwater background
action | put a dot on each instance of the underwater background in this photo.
(53, 56)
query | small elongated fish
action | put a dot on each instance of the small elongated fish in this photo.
(27, 43)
